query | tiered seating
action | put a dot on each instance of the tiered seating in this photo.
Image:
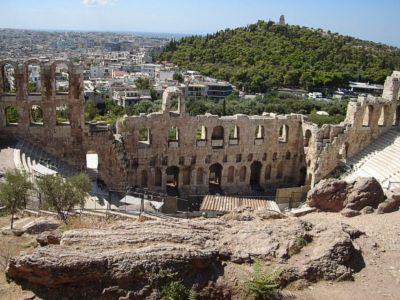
(380, 159)
(27, 155)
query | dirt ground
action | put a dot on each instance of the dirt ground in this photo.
(379, 279)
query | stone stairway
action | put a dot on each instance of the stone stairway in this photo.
(380, 159)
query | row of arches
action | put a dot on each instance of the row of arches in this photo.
(217, 136)
(60, 72)
(36, 115)
(215, 174)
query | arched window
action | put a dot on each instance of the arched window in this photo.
(11, 116)
(284, 133)
(144, 135)
(242, 174)
(259, 134)
(186, 176)
(201, 133)
(382, 117)
(288, 155)
(217, 137)
(279, 171)
(267, 174)
(144, 178)
(34, 79)
(9, 84)
(157, 177)
(173, 137)
(234, 135)
(36, 115)
(368, 116)
(62, 115)
(307, 137)
(231, 174)
(200, 176)
(62, 78)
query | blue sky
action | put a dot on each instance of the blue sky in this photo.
(367, 19)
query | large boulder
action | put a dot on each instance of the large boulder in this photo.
(125, 260)
(391, 204)
(336, 195)
(329, 195)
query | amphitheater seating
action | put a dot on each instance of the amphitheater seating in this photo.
(27, 155)
(380, 159)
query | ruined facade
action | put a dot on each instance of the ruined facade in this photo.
(175, 152)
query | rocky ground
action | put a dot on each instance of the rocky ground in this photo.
(318, 254)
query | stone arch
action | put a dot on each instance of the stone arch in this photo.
(215, 178)
(369, 110)
(168, 94)
(255, 174)
(200, 176)
(284, 133)
(36, 115)
(242, 174)
(172, 180)
(307, 137)
(143, 178)
(186, 174)
(267, 175)
(11, 115)
(231, 174)
(279, 170)
(157, 177)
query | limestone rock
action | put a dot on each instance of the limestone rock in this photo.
(328, 195)
(335, 195)
(391, 204)
(347, 212)
(49, 238)
(118, 261)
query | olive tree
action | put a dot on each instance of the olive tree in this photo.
(14, 191)
(63, 194)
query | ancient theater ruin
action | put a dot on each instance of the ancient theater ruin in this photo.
(176, 153)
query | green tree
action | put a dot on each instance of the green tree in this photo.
(91, 110)
(63, 194)
(143, 83)
(14, 191)
(178, 77)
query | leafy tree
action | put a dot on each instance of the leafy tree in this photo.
(90, 111)
(14, 191)
(63, 194)
(143, 83)
(178, 77)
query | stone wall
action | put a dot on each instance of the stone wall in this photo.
(231, 154)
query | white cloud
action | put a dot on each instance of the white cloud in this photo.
(98, 2)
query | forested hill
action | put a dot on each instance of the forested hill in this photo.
(265, 55)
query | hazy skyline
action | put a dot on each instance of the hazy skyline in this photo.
(370, 20)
